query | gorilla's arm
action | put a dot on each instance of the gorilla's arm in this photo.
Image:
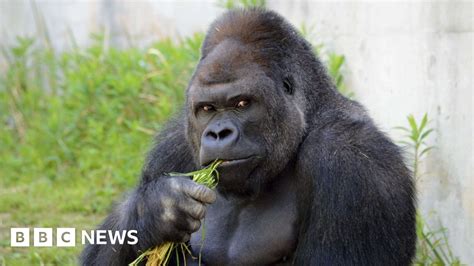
(361, 208)
(170, 154)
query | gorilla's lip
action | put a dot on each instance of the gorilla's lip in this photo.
(230, 162)
(234, 161)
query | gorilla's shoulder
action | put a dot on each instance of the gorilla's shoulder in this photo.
(345, 121)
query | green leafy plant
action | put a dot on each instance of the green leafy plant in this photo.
(416, 135)
(432, 245)
(335, 64)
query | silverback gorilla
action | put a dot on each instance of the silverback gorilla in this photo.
(307, 177)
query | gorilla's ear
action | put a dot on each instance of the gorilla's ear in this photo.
(288, 85)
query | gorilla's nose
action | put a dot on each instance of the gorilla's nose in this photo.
(220, 136)
(218, 141)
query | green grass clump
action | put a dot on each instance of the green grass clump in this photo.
(160, 255)
(74, 129)
(432, 246)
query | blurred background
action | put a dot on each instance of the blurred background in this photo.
(84, 86)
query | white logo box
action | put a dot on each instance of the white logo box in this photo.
(43, 237)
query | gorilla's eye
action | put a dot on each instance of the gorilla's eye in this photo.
(207, 108)
(242, 104)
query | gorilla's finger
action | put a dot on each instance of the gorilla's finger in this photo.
(185, 238)
(199, 192)
(194, 208)
(194, 225)
(188, 224)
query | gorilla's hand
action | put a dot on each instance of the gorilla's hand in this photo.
(170, 209)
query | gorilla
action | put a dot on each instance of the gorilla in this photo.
(307, 177)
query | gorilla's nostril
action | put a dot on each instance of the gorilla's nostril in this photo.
(211, 135)
(225, 133)
(220, 134)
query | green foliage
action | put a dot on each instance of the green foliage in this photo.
(416, 135)
(75, 129)
(334, 64)
(232, 4)
(432, 245)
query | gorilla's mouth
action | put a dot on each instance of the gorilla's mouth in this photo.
(234, 174)
(233, 162)
(230, 162)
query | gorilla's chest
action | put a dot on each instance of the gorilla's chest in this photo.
(253, 233)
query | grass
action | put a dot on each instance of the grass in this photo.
(75, 130)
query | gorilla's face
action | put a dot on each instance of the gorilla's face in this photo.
(239, 114)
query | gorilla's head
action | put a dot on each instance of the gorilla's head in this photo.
(244, 104)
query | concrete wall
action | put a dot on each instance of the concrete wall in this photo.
(402, 58)
(124, 22)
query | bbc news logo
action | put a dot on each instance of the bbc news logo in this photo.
(66, 237)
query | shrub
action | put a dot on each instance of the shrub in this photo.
(75, 129)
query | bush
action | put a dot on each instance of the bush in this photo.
(75, 129)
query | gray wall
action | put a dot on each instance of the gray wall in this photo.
(402, 58)
(125, 22)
